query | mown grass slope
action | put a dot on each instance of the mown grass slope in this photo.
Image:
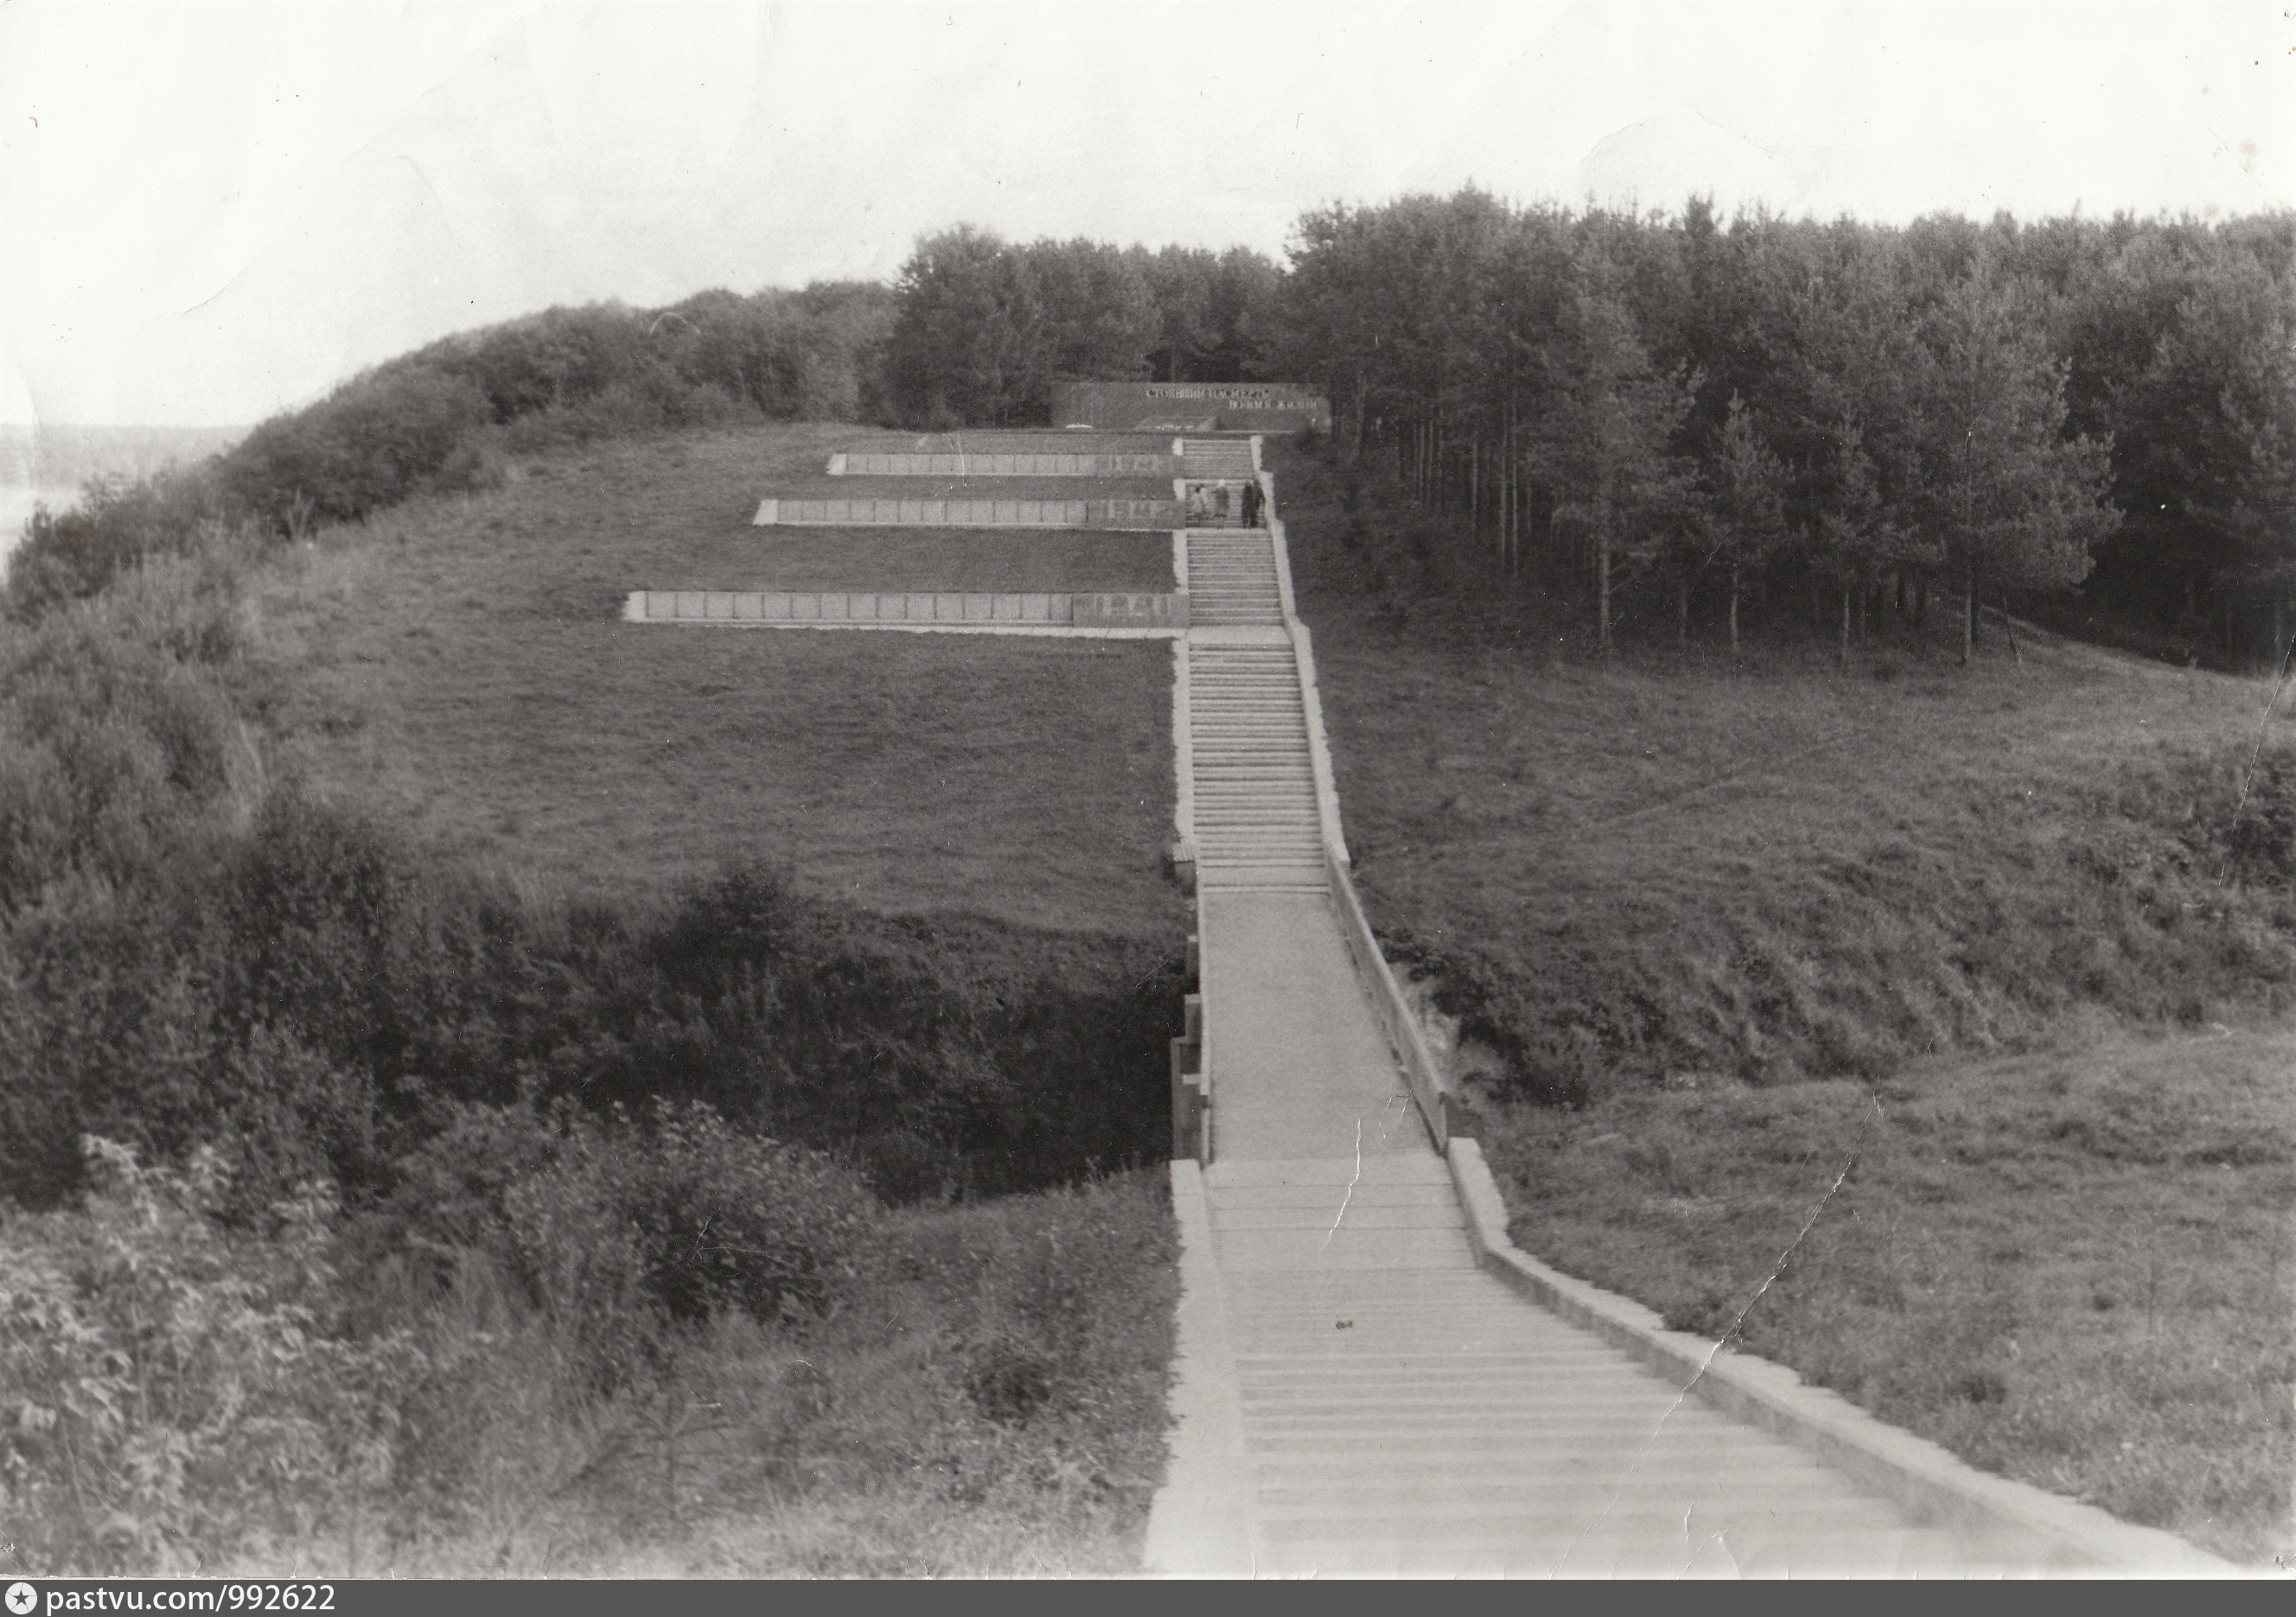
(1712, 931)
(461, 660)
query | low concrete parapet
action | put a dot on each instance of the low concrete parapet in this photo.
(1200, 1524)
(1422, 1073)
(1142, 513)
(1191, 1097)
(1933, 1485)
(1139, 611)
(870, 463)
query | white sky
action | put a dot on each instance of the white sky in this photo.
(209, 212)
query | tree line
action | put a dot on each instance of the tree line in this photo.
(1668, 403)
(1660, 408)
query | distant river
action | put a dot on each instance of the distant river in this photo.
(16, 503)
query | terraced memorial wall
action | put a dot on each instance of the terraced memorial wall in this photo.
(1192, 407)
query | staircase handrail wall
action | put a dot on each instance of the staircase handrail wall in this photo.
(1184, 758)
(1204, 1053)
(1393, 1012)
(1319, 752)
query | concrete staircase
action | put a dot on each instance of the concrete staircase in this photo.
(1256, 820)
(1374, 1402)
(1232, 577)
(1357, 1395)
(1405, 1413)
(1227, 460)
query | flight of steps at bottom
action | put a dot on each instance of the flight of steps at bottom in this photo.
(1405, 1413)
(1232, 579)
(1255, 820)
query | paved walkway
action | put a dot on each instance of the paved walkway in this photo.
(1303, 1071)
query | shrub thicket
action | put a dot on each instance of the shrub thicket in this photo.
(182, 1392)
(638, 1346)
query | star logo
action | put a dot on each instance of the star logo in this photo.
(22, 1598)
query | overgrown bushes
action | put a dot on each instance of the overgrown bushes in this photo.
(180, 1393)
(609, 1347)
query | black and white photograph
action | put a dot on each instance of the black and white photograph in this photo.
(1158, 791)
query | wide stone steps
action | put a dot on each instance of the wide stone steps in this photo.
(1256, 815)
(1701, 1550)
(1404, 1414)
(1227, 455)
(1232, 579)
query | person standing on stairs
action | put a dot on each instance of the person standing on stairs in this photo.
(1251, 501)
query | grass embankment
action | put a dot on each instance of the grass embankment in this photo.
(461, 661)
(384, 864)
(1737, 925)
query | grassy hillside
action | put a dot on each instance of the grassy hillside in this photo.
(1714, 932)
(461, 660)
(1669, 865)
(2075, 1266)
(453, 1109)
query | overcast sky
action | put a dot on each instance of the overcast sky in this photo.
(210, 212)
